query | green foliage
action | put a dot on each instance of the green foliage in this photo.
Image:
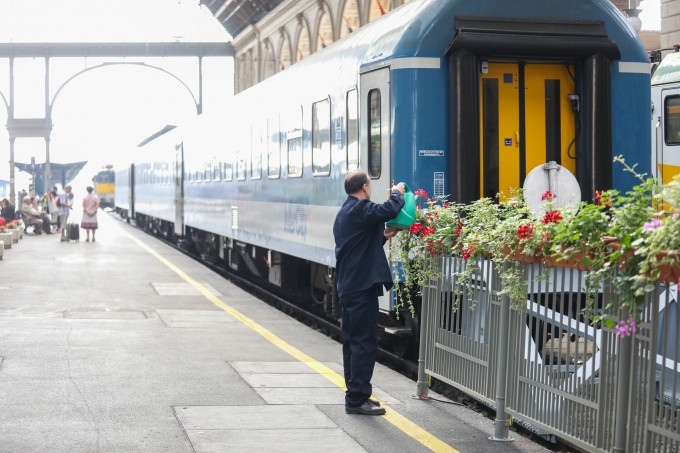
(627, 238)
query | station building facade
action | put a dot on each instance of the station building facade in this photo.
(297, 28)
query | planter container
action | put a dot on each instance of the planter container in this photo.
(669, 266)
(6, 238)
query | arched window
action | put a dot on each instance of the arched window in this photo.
(303, 48)
(349, 21)
(285, 58)
(324, 34)
(269, 61)
(249, 73)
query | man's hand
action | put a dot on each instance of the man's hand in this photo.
(400, 187)
(390, 232)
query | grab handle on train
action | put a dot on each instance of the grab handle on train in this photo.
(407, 215)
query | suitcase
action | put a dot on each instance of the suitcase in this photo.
(73, 232)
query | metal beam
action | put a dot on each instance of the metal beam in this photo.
(117, 49)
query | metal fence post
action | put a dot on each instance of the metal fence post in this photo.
(502, 422)
(422, 387)
(622, 392)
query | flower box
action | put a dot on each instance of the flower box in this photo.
(6, 238)
(669, 266)
(517, 254)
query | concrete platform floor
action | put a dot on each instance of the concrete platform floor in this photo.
(126, 345)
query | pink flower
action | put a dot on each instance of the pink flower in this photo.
(625, 328)
(651, 226)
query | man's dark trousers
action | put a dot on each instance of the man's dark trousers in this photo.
(359, 343)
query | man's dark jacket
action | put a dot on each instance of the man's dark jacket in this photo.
(359, 237)
(8, 212)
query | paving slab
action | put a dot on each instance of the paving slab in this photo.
(103, 347)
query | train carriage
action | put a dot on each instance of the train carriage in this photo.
(104, 187)
(666, 119)
(458, 98)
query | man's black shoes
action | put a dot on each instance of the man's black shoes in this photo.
(374, 402)
(368, 407)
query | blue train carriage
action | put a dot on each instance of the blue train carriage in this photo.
(104, 186)
(666, 118)
(476, 95)
(155, 184)
(455, 97)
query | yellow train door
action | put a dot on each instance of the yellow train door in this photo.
(526, 119)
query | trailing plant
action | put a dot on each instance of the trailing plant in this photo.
(630, 238)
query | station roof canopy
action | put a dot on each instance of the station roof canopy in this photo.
(236, 15)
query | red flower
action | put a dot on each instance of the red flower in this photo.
(427, 231)
(602, 199)
(525, 231)
(552, 217)
(459, 230)
(548, 195)
(415, 228)
(2, 221)
(420, 193)
(434, 247)
(468, 251)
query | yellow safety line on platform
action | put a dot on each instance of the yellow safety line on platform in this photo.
(398, 420)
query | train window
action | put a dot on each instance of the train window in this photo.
(256, 146)
(240, 167)
(321, 138)
(352, 131)
(217, 170)
(273, 150)
(374, 134)
(295, 156)
(294, 142)
(672, 120)
(228, 171)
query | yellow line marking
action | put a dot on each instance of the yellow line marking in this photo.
(392, 416)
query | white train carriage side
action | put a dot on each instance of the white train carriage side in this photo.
(455, 97)
(666, 118)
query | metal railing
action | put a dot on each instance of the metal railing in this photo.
(550, 364)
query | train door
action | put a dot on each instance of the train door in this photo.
(374, 135)
(526, 119)
(131, 188)
(667, 135)
(374, 140)
(179, 189)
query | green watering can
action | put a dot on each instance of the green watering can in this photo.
(407, 215)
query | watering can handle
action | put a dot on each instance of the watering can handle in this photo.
(406, 187)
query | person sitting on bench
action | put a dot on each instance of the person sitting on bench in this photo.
(33, 216)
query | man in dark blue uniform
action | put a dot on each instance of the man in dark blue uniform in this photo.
(362, 271)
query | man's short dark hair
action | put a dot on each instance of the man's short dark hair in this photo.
(355, 180)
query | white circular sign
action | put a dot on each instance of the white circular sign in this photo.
(556, 179)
